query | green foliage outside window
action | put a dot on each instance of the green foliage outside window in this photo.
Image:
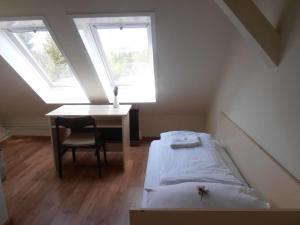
(124, 63)
(46, 54)
(54, 52)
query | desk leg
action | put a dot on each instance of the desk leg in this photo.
(54, 143)
(125, 138)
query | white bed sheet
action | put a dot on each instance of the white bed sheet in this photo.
(152, 170)
(198, 164)
(153, 165)
(152, 178)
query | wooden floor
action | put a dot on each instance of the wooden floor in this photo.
(36, 196)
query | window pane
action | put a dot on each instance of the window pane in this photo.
(128, 54)
(47, 55)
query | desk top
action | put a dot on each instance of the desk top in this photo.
(90, 110)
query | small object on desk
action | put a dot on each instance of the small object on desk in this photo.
(116, 103)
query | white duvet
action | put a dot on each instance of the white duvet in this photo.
(199, 164)
(219, 196)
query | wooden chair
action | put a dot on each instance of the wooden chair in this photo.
(79, 139)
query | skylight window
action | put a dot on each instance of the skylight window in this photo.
(40, 46)
(121, 51)
(30, 49)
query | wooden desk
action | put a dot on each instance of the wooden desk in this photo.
(106, 116)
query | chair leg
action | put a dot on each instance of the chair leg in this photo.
(98, 162)
(60, 166)
(74, 154)
(104, 152)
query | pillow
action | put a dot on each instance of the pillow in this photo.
(186, 195)
(168, 134)
(178, 133)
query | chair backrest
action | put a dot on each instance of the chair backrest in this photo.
(75, 123)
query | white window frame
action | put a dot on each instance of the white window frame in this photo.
(50, 92)
(93, 39)
(27, 53)
(24, 50)
(95, 27)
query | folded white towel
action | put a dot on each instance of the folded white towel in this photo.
(186, 145)
(185, 141)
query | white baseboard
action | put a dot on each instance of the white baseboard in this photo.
(27, 128)
(150, 125)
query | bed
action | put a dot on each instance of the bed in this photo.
(173, 176)
(282, 190)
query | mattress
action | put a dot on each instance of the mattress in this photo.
(152, 178)
(197, 164)
(157, 153)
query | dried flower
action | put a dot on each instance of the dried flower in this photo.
(116, 90)
(202, 190)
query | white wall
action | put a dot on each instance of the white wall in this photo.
(192, 41)
(152, 126)
(264, 101)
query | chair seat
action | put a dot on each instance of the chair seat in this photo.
(80, 139)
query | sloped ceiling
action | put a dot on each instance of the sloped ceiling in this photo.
(272, 10)
(193, 39)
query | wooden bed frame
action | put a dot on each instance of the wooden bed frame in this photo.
(213, 217)
(270, 180)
